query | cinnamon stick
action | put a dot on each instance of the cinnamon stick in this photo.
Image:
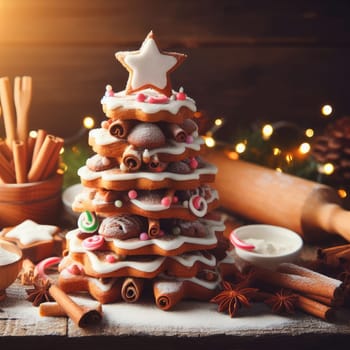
(315, 308)
(132, 289)
(53, 309)
(153, 228)
(54, 160)
(168, 293)
(302, 284)
(81, 316)
(42, 159)
(6, 171)
(5, 150)
(27, 274)
(121, 128)
(8, 110)
(175, 131)
(131, 159)
(334, 286)
(19, 158)
(39, 140)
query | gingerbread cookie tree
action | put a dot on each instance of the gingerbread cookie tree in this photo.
(146, 208)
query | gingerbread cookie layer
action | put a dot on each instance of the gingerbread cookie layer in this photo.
(115, 179)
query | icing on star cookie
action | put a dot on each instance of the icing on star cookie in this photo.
(149, 67)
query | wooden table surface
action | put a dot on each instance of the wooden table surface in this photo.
(191, 324)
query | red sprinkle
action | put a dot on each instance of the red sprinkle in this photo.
(166, 201)
(132, 194)
(144, 236)
(110, 258)
(140, 97)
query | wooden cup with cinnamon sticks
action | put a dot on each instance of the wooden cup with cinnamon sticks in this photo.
(30, 180)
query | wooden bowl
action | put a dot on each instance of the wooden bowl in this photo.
(10, 265)
(38, 201)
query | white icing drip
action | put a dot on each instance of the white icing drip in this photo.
(29, 232)
(178, 147)
(104, 287)
(7, 257)
(167, 243)
(106, 267)
(121, 100)
(160, 207)
(109, 175)
(102, 137)
(189, 259)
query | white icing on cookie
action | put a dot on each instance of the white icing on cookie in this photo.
(160, 207)
(149, 65)
(166, 242)
(29, 232)
(121, 100)
(103, 287)
(102, 137)
(110, 175)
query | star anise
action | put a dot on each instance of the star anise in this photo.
(233, 298)
(283, 301)
(40, 292)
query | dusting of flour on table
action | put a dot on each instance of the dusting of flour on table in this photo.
(265, 247)
(7, 257)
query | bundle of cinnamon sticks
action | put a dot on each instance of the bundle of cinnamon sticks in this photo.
(24, 157)
(317, 294)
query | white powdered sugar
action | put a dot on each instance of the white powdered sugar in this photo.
(7, 257)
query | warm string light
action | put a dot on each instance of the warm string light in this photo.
(209, 136)
(326, 110)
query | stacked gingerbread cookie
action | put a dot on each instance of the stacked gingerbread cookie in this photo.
(146, 222)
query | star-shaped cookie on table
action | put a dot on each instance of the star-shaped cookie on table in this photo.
(149, 67)
(29, 232)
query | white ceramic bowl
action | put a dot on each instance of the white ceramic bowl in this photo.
(273, 244)
(68, 196)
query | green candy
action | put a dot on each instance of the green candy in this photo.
(87, 222)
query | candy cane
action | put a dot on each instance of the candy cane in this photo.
(40, 268)
(198, 205)
(239, 243)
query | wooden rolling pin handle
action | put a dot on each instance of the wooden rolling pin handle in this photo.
(264, 195)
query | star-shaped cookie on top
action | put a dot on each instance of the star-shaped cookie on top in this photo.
(149, 67)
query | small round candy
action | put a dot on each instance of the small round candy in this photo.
(111, 258)
(166, 201)
(118, 203)
(87, 222)
(140, 97)
(144, 236)
(132, 194)
(93, 243)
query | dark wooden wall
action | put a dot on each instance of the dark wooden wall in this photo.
(249, 60)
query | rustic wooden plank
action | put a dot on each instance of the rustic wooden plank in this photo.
(186, 23)
(243, 85)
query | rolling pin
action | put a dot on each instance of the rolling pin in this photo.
(264, 195)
